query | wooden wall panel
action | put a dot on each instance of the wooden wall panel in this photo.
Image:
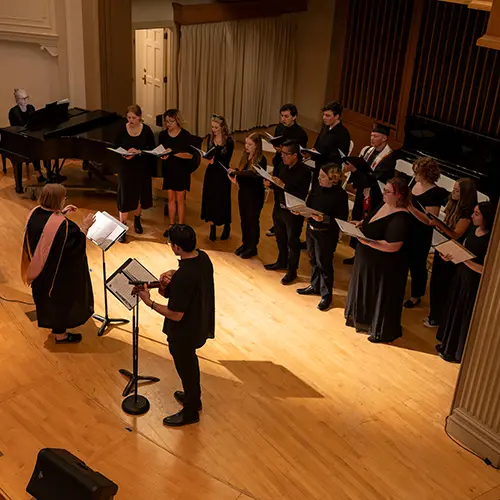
(374, 58)
(454, 80)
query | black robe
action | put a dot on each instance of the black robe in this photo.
(460, 303)
(71, 301)
(378, 280)
(216, 197)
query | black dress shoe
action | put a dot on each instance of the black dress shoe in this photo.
(180, 397)
(123, 238)
(137, 224)
(179, 419)
(225, 232)
(410, 304)
(378, 340)
(213, 234)
(239, 250)
(271, 232)
(349, 261)
(308, 290)
(325, 303)
(275, 267)
(72, 338)
(248, 253)
(289, 278)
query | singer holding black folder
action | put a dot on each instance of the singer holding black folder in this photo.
(216, 197)
(378, 280)
(250, 194)
(328, 197)
(177, 165)
(377, 163)
(460, 304)
(426, 198)
(457, 221)
(135, 189)
(293, 177)
(189, 317)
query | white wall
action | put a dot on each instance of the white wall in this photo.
(26, 65)
(314, 37)
(41, 50)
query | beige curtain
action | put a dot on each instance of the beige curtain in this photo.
(242, 70)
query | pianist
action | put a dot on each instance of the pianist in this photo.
(18, 116)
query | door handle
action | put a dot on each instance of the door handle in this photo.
(144, 79)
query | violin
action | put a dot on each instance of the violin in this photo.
(151, 284)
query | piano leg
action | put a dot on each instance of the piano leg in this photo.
(4, 164)
(18, 176)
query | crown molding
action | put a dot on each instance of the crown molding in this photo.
(46, 41)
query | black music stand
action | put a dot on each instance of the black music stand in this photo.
(119, 285)
(106, 320)
(135, 404)
(104, 233)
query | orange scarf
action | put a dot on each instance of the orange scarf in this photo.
(32, 264)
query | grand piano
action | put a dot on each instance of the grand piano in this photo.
(56, 132)
(459, 152)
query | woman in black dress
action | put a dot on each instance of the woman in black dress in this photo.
(54, 264)
(250, 194)
(426, 198)
(377, 287)
(135, 189)
(457, 221)
(216, 198)
(176, 165)
(456, 321)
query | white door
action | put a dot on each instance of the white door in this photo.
(150, 90)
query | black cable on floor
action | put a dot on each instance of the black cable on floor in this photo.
(487, 461)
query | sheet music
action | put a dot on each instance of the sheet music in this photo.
(351, 230)
(158, 151)
(223, 166)
(458, 252)
(295, 204)
(310, 163)
(122, 151)
(267, 146)
(105, 230)
(347, 177)
(381, 185)
(264, 173)
(119, 286)
(312, 152)
(342, 155)
(137, 272)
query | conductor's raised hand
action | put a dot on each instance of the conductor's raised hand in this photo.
(87, 222)
(69, 209)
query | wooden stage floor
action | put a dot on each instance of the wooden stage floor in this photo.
(296, 405)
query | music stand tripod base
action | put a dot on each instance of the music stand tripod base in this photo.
(135, 405)
(107, 322)
(133, 379)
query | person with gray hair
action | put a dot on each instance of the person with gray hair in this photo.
(19, 116)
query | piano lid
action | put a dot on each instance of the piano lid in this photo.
(460, 152)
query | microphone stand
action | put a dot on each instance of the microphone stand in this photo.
(135, 404)
(106, 320)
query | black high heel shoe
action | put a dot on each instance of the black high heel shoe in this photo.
(226, 232)
(213, 234)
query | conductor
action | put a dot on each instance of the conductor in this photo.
(189, 317)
